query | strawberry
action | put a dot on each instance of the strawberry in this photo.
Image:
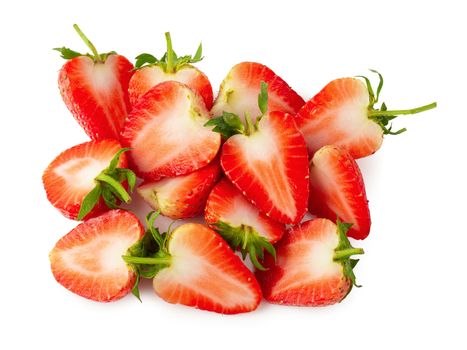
(240, 223)
(239, 89)
(151, 71)
(337, 190)
(313, 266)
(343, 113)
(267, 161)
(94, 87)
(166, 134)
(182, 196)
(88, 260)
(86, 180)
(195, 267)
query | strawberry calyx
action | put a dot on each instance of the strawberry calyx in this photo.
(169, 62)
(69, 54)
(344, 251)
(229, 124)
(247, 240)
(382, 116)
(109, 187)
(150, 254)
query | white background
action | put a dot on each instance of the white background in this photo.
(414, 270)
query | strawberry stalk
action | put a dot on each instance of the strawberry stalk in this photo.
(88, 43)
(109, 187)
(170, 54)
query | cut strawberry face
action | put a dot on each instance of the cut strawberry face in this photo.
(337, 190)
(240, 223)
(239, 89)
(267, 161)
(343, 113)
(183, 196)
(166, 135)
(86, 180)
(95, 90)
(151, 71)
(195, 267)
(313, 266)
(88, 260)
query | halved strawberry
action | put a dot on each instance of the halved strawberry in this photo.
(337, 190)
(196, 267)
(151, 71)
(313, 266)
(166, 134)
(88, 260)
(267, 161)
(182, 196)
(343, 113)
(94, 87)
(240, 88)
(76, 180)
(240, 223)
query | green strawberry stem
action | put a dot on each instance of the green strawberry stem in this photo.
(146, 260)
(376, 113)
(117, 186)
(88, 43)
(346, 253)
(170, 68)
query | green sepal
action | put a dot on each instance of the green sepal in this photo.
(135, 289)
(109, 187)
(67, 53)
(381, 115)
(246, 239)
(263, 98)
(169, 62)
(228, 124)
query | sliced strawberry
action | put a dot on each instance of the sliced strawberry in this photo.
(88, 260)
(196, 267)
(152, 71)
(77, 179)
(343, 113)
(95, 90)
(313, 266)
(267, 161)
(182, 196)
(240, 223)
(166, 134)
(240, 88)
(337, 190)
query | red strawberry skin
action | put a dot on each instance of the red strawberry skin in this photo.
(338, 115)
(70, 176)
(270, 167)
(206, 274)
(97, 94)
(239, 91)
(147, 77)
(166, 132)
(305, 273)
(337, 190)
(227, 204)
(183, 196)
(87, 261)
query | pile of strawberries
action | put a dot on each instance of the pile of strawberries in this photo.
(253, 162)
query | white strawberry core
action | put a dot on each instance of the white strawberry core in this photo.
(320, 257)
(81, 172)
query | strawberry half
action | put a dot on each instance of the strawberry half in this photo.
(151, 71)
(240, 223)
(195, 267)
(166, 134)
(313, 266)
(183, 196)
(239, 89)
(86, 180)
(343, 113)
(337, 190)
(267, 161)
(88, 260)
(94, 87)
